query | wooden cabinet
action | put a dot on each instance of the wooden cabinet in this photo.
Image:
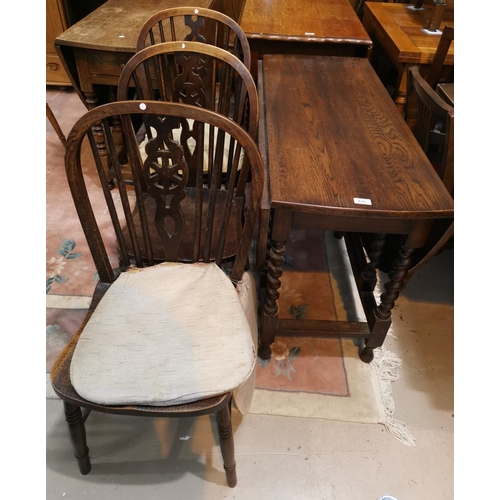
(56, 24)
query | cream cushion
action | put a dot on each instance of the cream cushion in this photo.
(164, 335)
(247, 293)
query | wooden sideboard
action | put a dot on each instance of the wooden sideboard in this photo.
(56, 24)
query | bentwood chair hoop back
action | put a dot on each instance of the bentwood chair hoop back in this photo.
(169, 340)
(204, 76)
(195, 24)
(199, 74)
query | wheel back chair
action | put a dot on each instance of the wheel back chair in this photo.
(195, 24)
(190, 24)
(179, 338)
(207, 77)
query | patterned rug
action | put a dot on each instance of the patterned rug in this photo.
(309, 377)
(305, 377)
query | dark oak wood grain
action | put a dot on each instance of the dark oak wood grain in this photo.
(328, 27)
(340, 157)
(332, 108)
(288, 20)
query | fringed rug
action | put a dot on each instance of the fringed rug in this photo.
(309, 377)
(305, 377)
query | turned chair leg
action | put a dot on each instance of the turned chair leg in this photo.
(53, 121)
(227, 444)
(77, 436)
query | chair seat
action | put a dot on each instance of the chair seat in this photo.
(164, 335)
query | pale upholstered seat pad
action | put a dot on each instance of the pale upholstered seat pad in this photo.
(164, 335)
(247, 293)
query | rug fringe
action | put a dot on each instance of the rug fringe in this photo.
(385, 367)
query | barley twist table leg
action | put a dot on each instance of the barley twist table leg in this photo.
(382, 313)
(274, 272)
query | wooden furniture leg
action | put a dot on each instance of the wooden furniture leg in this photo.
(98, 132)
(400, 95)
(227, 444)
(380, 318)
(77, 436)
(54, 123)
(282, 223)
(117, 129)
(370, 271)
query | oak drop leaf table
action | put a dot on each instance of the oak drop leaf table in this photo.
(340, 157)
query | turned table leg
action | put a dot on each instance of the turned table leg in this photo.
(380, 318)
(401, 84)
(282, 223)
(382, 314)
(375, 254)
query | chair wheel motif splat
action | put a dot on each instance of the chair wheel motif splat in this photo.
(206, 77)
(195, 24)
(174, 339)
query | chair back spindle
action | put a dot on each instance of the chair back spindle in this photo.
(195, 24)
(162, 208)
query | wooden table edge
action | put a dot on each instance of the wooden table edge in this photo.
(410, 52)
(355, 212)
(308, 39)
